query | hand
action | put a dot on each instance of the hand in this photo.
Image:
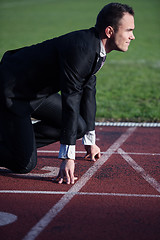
(93, 151)
(66, 171)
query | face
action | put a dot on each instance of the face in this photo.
(122, 38)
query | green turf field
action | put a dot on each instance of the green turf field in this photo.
(128, 86)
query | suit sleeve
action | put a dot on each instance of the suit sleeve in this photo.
(88, 103)
(75, 68)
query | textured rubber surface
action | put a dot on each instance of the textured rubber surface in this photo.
(118, 197)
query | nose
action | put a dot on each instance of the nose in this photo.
(132, 37)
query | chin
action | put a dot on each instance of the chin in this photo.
(122, 49)
(125, 50)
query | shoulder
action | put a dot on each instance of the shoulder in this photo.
(78, 51)
(80, 41)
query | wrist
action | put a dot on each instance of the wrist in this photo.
(67, 159)
(89, 138)
(67, 152)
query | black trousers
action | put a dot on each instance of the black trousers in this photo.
(19, 138)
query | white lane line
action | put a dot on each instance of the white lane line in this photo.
(129, 153)
(40, 226)
(51, 172)
(127, 124)
(149, 154)
(154, 64)
(81, 193)
(7, 218)
(140, 170)
(52, 151)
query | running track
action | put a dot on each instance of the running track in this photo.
(117, 197)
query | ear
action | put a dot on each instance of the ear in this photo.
(109, 31)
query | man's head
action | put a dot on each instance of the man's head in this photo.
(111, 15)
(115, 24)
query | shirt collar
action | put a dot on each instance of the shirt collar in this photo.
(102, 50)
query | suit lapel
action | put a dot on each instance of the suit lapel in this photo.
(99, 61)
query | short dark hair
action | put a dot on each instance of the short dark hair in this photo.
(110, 15)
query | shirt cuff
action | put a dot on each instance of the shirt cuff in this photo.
(89, 138)
(67, 151)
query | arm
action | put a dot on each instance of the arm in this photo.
(88, 103)
(75, 69)
(67, 152)
(76, 64)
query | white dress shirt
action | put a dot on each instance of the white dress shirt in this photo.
(68, 151)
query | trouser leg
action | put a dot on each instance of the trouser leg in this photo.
(17, 145)
(48, 130)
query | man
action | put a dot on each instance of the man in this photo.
(30, 79)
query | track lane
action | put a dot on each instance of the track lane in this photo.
(117, 180)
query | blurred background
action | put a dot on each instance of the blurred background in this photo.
(128, 86)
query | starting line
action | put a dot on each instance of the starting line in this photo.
(81, 193)
(83, 152)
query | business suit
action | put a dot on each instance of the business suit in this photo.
(32, 75)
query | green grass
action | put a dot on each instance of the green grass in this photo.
(128, 86)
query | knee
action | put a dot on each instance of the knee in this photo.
(26, 169)
(29, 166)
(25, 166)
(22, 169)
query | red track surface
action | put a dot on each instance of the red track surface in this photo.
(119, 200)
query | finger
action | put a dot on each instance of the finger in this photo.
(93, 158)
(60, 181)
(61, 176)
(73, 180)
(68, 177)
(72, 177)
(86, 156)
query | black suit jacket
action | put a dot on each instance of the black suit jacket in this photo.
(67, 64)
